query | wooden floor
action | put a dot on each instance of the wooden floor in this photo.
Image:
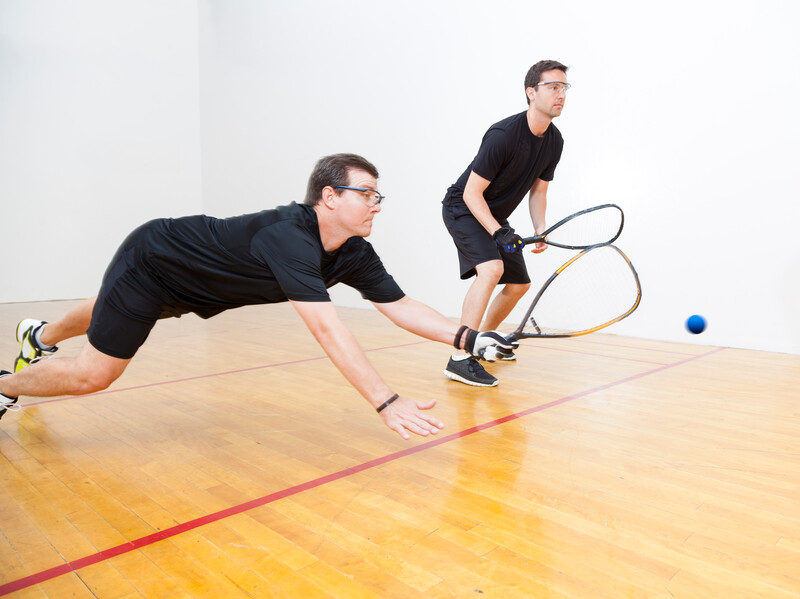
(231, 460)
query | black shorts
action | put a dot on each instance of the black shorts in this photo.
(475, 246)
(127, 306)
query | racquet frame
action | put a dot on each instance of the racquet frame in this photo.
(520, 333)
(543, 237)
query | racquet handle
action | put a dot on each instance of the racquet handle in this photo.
(534, 239)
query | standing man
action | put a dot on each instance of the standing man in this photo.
(199, 264)
(517, 156)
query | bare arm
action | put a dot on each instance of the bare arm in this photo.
(402, 415)
(473, 198)
(420, 319)
(424, 321)
(537, 204)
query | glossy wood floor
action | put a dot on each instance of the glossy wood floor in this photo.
(231, 460)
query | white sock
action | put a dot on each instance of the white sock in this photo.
(37, 336)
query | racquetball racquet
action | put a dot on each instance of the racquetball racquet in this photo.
(594, 289)
(593, 226)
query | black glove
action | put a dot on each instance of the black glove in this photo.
(508, 240)
(484, 346)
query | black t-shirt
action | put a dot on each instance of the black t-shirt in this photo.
(207, 265)
(512, 158)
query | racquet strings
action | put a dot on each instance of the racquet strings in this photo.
(601, 225)
(595, 289)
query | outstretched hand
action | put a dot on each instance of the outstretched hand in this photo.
(405, 415)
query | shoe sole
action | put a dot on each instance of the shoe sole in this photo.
(30, 323)
(20, 361)
(11, 406)
(455, 377)
(23, 328)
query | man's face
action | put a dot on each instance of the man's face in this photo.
(550, 94)
(358, 208)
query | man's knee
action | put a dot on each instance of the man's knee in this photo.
(490, 271)
(85, 382)
(517, 290)
(95, 371)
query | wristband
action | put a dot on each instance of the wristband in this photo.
(387, 403)
(469, 343)
(457, 340)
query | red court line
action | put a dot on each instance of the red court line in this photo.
(205, 376)
(290, 362)
(161, 535)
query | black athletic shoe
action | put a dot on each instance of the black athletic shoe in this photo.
(470, 372)
(6, 402)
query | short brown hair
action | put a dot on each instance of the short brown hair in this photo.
(534, 75)
(334, 170)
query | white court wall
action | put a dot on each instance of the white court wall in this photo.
(682, 113)
(99, 132)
